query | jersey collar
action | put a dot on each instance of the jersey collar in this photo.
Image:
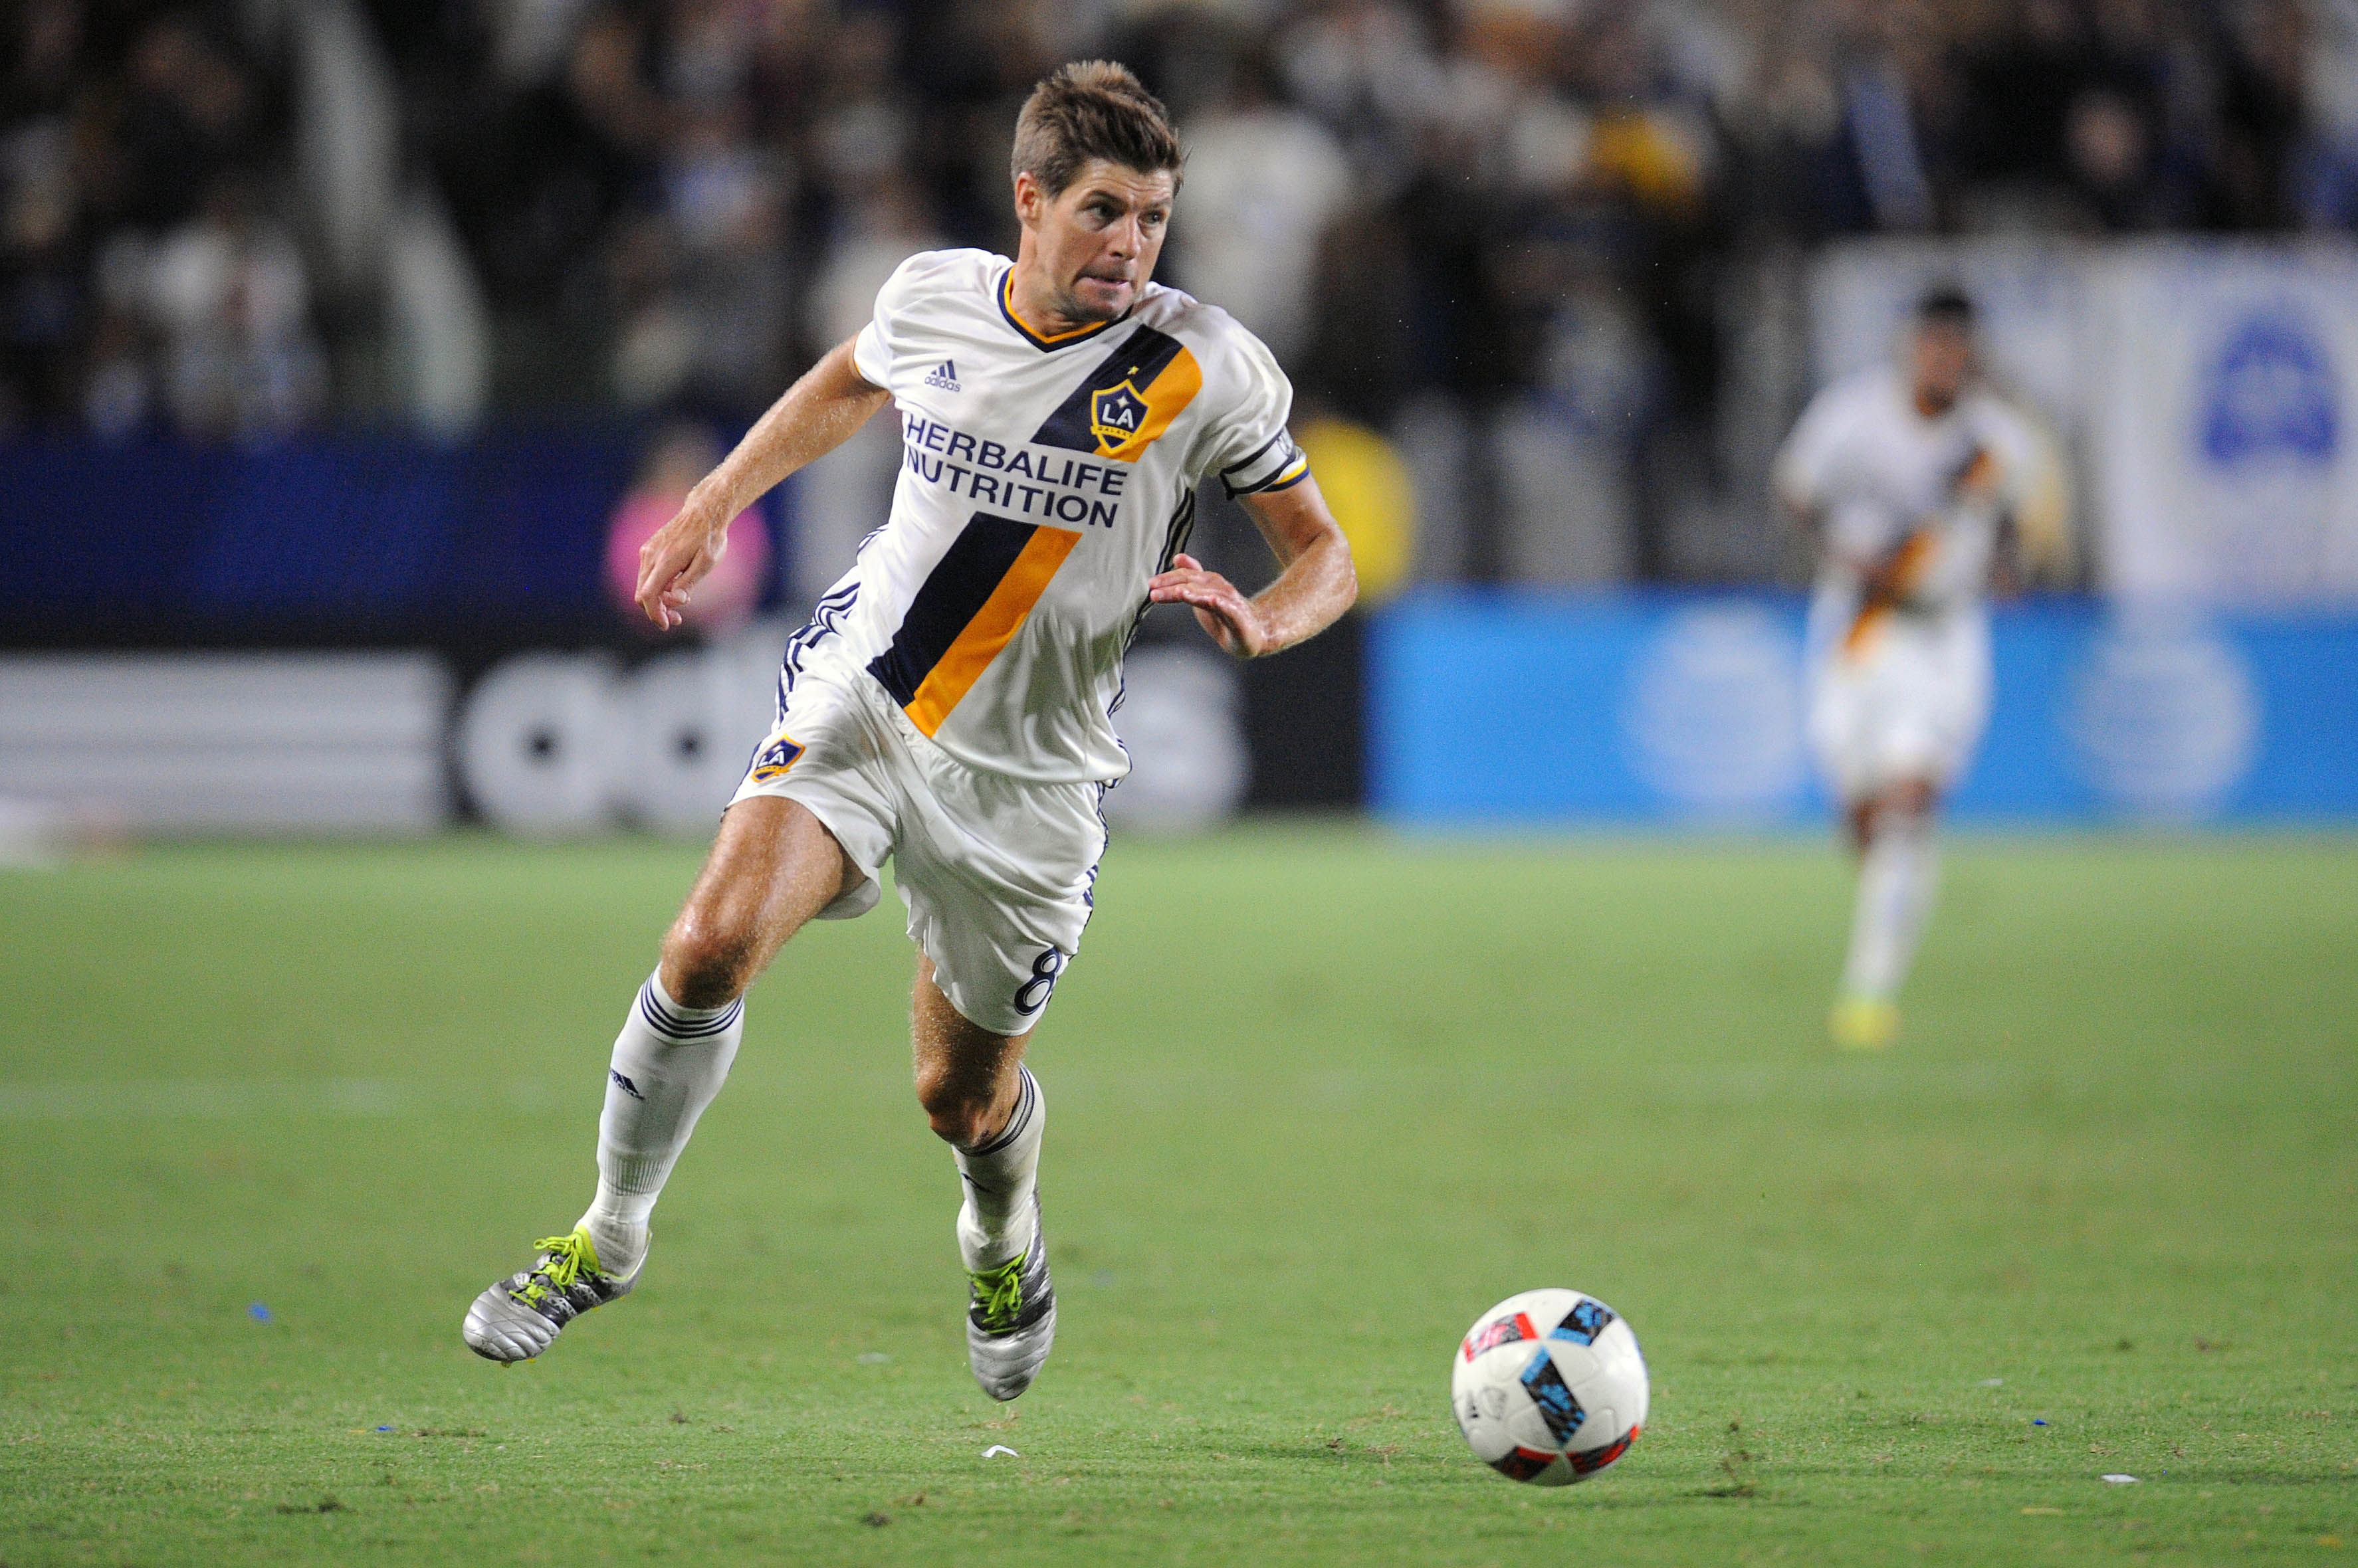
(1006, 295)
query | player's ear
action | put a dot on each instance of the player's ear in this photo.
(1030, 200)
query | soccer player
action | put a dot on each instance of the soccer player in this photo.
(950, 704)
(1906, 479)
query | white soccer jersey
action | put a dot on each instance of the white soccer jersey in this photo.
(1880, 475)
(1044, 480)
(1901, 691)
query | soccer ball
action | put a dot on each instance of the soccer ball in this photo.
(1549, 1387)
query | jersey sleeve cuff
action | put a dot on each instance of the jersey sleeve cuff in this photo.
(1278, 465)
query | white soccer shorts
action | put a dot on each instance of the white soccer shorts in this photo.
(997, 872)
(1909, 702)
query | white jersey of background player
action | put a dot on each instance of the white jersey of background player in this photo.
(948, 705)
(1907, 480)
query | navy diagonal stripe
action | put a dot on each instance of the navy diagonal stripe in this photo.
(953, 593)
(1137, 359)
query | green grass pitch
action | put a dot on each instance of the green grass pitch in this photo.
(1318, 1097)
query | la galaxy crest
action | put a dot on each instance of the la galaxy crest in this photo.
(1117, 413)
(773, 759)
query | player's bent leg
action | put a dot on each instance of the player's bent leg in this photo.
(987, 1106)
(1899, 874)
(772, 868)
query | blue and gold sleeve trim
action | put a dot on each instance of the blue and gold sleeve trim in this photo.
(1278, 464)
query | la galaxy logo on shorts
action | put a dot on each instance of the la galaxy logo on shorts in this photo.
(1116, 414)
(773, 759)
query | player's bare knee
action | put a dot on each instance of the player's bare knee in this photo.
(964, 1126)
(954, 1112)
(959, 1109)
(706, 961)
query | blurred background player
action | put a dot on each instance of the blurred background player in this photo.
(1910, 480)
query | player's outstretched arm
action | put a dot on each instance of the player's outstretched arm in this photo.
(1317, 585)
(816, 415)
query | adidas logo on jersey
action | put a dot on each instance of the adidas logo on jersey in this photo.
(945, 376)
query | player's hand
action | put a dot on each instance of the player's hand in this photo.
(681, 554)
(1226, 615)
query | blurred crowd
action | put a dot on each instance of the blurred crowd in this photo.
(1505, 232)
(147, 270)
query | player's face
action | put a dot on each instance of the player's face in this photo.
(1943, 358)
(1097, 240)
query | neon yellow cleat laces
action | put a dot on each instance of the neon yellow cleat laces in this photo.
(570, 1257)
(999, 1293)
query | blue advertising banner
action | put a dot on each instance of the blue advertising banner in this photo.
(1689, 708)
(381, 535)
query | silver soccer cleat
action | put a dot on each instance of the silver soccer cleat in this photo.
(1011, 1325)
(519, 1318)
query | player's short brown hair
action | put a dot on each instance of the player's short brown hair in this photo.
(1091, 109)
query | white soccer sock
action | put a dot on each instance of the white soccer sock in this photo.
(995, 1221)
(1897, 879)
(670, 1061)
